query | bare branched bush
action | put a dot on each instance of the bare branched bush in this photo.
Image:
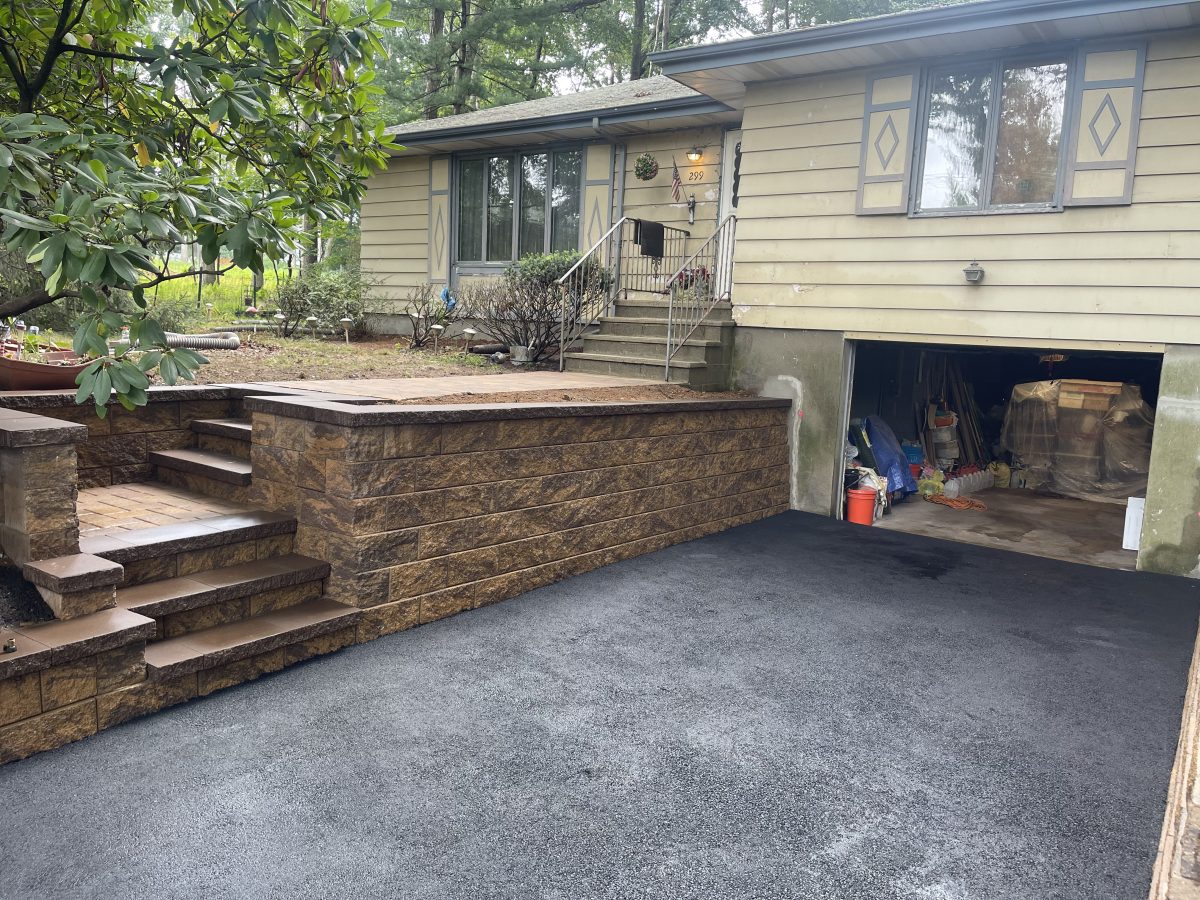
(424, 307)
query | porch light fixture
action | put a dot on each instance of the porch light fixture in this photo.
(974, 273)
(695, 154)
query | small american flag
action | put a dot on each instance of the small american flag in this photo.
(676, 181)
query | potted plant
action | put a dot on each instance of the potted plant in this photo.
(28, 363)
(645, 167)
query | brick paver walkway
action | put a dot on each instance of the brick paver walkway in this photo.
(129, 507)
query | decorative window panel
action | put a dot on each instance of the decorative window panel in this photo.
(886, 157)
(1105, 131)
(597, 193)
(439, 219)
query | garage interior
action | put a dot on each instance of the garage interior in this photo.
(1036, 451)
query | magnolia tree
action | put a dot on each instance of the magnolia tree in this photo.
(128, 132)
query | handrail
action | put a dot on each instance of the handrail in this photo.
(575, 286)
(607, 269)
(707, 276)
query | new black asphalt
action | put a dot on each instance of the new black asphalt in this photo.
(794, 709)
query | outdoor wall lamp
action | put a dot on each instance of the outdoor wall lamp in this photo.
(695, 154)
(974, 273)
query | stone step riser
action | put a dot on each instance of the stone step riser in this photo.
(189, 562)
(711, 355)
(218, 443)
(627, 328)
(641, 309)
(237, 609)
(202, 484)
(624, 369)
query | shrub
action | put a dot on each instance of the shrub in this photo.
(325, 292)
(426, 306)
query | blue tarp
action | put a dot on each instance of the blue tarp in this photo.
(890, 460)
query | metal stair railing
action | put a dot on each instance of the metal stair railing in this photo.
(704, 280)
(612, 267)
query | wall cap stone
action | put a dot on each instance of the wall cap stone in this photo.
(57, 642)
(368, 413)
(22, 429)
(75, 572)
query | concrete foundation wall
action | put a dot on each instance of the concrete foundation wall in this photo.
(806, 367)
(1171, 527)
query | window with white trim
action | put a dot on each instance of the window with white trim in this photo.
(993, 136)
(514, 204)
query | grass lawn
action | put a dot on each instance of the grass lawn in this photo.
(265, 357)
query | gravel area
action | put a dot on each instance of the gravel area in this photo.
(20, 602)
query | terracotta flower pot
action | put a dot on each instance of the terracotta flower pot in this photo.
(23, 375)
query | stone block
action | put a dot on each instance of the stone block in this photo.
(415, 579)
(360, 589)
(47, 731)
(113, 450)
(209, 680)
(317, 646)
(20, 697)
(128, 703)
(90, 478)
(388, 618)
(121, 667)
(131, 474)
(151, 417)
(203, 409)
(278, 545)
(72, 573)
(72, 604)
(68, 683)
(154, 568)
(191, 620)
(191, 561)
(281, 598)
(448, 602)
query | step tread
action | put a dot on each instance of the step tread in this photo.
(200, 534)
(238, 429)
(160, 598)
(218, 466)
(661, 320)
(228, 643)
(646, 339)
(638, 360)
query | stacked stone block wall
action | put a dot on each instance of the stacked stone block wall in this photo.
(424, 519)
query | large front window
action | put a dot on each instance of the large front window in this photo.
(993, 137)
(518, 203)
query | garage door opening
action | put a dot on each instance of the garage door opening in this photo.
(1036, 451)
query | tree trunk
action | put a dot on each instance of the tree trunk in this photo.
(637, 63)
(462, 67)
(433, 81)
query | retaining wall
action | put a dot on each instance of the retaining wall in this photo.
(427, 511)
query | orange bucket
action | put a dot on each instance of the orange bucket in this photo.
(860, 505)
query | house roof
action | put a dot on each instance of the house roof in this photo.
(614, 109)
(722, 70)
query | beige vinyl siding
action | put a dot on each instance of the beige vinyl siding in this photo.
(395, 230)
(652, 199)
(1097, 275)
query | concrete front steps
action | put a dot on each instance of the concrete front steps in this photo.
(229, 599)
(633, 344)
(218, 466)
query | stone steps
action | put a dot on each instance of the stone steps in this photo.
(204, 471)
(230, 437)
(651, 347)
(651, 326)
(189, 603)
(170, 551)
(628, 366)
(290, 629)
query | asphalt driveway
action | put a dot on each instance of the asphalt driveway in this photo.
(794, 709)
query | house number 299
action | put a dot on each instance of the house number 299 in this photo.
(696, 175)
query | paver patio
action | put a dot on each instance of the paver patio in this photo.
(794, 708)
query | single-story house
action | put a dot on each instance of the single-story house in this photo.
(1011, 185)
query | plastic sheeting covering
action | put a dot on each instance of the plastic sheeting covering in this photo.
(889, 458)
(1099, 450)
